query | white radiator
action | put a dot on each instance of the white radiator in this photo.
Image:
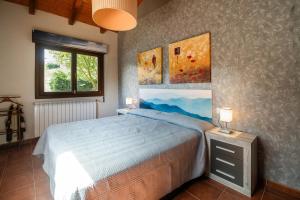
(55, 112)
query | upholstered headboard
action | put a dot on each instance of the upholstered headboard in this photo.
(193, 103)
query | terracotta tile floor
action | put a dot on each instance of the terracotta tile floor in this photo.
(22, 178)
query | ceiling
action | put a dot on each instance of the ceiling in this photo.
(74, 10)
(80, 10)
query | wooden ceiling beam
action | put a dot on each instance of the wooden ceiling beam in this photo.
(32, 5)
(79, 10)
(76, 7)
(102, 30)
(139, 2)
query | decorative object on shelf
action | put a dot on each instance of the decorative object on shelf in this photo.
(150, 67)
(116, 15)
(8, 123)
(190, 60)
(14, 119)
(22, 123)
(226, 117)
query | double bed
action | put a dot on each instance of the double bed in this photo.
(144, 154)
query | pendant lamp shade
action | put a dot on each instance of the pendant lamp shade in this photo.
(116, 15)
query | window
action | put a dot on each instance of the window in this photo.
(66, 72)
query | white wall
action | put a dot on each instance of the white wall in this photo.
(17, 54)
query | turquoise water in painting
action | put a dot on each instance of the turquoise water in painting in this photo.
(199, 108)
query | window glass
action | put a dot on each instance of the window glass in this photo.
(63, 72)
(57, 71)
(87, 73)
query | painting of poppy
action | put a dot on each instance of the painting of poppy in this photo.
(150, 67)
(189, 60)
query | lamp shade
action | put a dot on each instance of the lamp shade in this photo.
(226, 114)
(129, 101)
(116, 15)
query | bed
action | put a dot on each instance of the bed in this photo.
(144, 154)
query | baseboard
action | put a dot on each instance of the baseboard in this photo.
(282, 190)
(15, 144)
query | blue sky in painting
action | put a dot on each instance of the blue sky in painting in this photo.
(191, 102)
(198, 106)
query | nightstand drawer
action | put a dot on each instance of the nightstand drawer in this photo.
(228, 168)
(233, 159)
(224, 149)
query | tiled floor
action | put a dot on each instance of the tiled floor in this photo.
(22, 178)
(208, 189)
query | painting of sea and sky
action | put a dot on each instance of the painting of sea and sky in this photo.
(189, 60)
(193, 103)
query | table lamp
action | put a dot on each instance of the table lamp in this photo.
(130, 102)
(225, 116)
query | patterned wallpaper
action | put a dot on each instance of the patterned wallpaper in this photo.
(255, 68)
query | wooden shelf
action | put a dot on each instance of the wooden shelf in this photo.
(10, 96)
(7, 110)
(3, 131)
(5, 115)
(14, 111)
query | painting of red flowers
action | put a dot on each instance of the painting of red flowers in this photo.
(189, 60)
(150, 67)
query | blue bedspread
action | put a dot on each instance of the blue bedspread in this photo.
(78, 154)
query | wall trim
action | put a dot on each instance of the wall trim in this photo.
(282, 190)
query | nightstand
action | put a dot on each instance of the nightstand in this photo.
(233, 159)
(123, 111)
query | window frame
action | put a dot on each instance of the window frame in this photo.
(39, 73)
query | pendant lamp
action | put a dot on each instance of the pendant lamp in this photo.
(116, 15)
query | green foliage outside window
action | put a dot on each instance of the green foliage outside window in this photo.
(87, 69)
(87, 72)
(52, 66)
(60, 81)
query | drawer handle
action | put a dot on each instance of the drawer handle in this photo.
(225, 174)
(226, 162)
(224, 149)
